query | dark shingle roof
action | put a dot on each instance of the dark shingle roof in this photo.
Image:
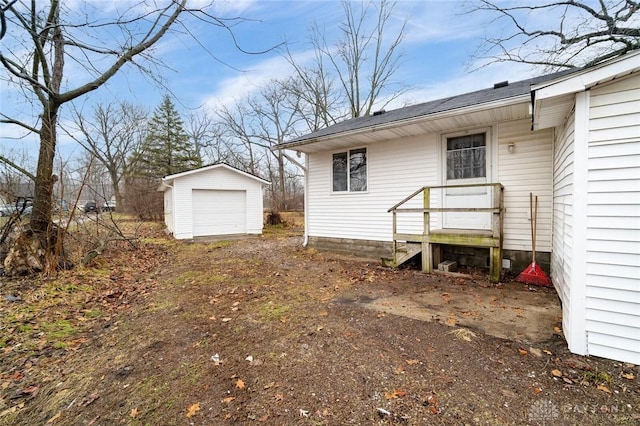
(479, 97)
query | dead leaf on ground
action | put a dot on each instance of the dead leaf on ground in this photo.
(628, 376)
(228, 399)
(240, 384)
(451, 321)
(603, 388)
(412, 361)
(522, 352)
(395, 394)
(446, 297)
(279, 397)
(557, 329)
(537, 390)
(556, 373)
(464, 334)
(54, 418)
(134, 413)
(193, 409)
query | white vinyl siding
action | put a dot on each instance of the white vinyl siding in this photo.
(168, 209)
(527, 169)
(398, 168)
(561, 254)
(613, 221)
(395, 170)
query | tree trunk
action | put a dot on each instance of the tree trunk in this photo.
(41, 215)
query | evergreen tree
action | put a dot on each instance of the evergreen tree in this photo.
(167, 148)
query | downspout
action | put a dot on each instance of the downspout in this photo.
(305, 241)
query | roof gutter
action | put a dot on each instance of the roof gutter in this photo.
(163, 185)
(443, 114)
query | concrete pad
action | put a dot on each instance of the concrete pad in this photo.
(511, 311)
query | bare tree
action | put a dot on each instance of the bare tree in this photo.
(240, 132)
(207, 136)
(48, 37)
(362, 62)
(115, 131)
(321, 101)
(14, 176)
(568, 34)
(277, 114)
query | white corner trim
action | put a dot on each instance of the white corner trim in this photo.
(577, 337)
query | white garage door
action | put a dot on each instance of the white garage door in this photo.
(218, 212)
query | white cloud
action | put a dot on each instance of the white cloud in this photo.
(249, 81)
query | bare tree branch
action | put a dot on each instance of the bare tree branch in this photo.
(583, 36)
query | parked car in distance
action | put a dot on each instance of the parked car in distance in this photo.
(22, 205)
(6, 209)
(109, 206)
(91, 207)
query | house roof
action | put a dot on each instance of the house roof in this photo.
(167, 181)
(553, 99)
(500, 98)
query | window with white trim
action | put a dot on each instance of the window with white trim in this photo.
(349, 170)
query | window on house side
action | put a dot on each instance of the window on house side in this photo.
(350, 171)
(340, 171)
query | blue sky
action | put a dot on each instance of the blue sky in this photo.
(436, 61)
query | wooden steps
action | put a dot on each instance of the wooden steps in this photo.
(403, 253)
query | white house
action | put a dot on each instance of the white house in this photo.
(595, 258)
(471, 162)
(212, 200)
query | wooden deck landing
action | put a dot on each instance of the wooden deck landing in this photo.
(427, 243)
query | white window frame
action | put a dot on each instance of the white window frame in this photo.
(348, 152)
(490, 144)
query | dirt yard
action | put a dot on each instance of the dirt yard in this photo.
(263, 331)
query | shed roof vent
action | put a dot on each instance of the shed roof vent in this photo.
(501, 84)
(379, 112)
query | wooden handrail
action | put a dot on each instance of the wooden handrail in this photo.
(491, 239)
(451, 209)
(395, 207)
(406, 199)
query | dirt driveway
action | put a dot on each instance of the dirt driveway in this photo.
(262, 331)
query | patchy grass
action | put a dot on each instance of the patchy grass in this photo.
(130, 340)
(271, 311)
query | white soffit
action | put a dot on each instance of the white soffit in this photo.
(466, 118)
(553, 100)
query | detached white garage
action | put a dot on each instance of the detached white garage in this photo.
(212, 200)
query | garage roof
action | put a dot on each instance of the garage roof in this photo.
(167, 181)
